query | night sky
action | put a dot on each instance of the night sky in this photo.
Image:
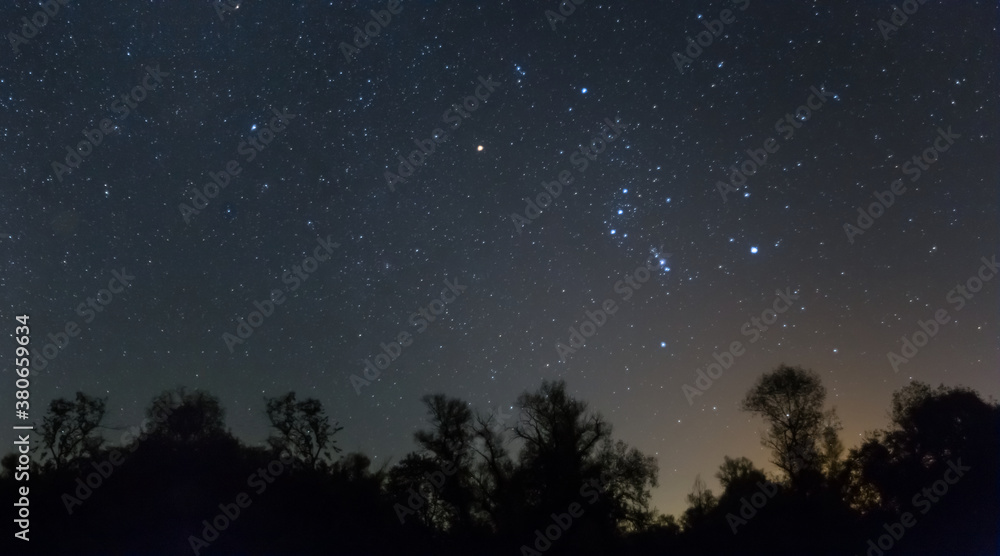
(646, 196)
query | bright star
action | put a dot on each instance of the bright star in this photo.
(753, 249)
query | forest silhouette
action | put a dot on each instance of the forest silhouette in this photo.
(550, 480)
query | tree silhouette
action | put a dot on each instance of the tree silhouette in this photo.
(831, 448)
(304, 429)
(414, 496)
(450, 443)
(935, 435)
(494, 474)
(465, 491)
(701, 503)
(631, 475)
(790, 400)
(738, 473)
(741, 480)
(559, 438)
(355, 466)
(68, 430)
(183, 417)
(666, 524)
(929, 427)
(451, 434)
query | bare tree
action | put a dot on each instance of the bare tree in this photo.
(68, 429)
(494, 469)
(451, 435)
(831, 448)
(559, 433)
(304, 429)
(450, 441)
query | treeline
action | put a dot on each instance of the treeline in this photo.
(550, 480)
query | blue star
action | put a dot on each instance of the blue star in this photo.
(583, 90)
(753, 250)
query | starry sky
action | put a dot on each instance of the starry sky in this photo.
(643, 204)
